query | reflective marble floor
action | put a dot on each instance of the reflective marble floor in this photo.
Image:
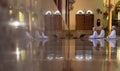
(59, 54)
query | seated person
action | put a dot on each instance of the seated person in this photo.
(95, 34)
(102, 33)
(42, 36)
(29, 36)
(113, 33)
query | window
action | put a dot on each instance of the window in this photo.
(80, 12)
(89, 12)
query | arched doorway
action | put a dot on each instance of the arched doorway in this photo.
(84, 21)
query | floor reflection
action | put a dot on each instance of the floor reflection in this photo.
(60, 55)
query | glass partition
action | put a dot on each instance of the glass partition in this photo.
(48, 16)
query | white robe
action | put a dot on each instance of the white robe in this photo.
(94, 35)
(102, 34)
(29, 36)
(102, 42)
(112, 34)
(112, 42)
(42, 36)
(94, 41)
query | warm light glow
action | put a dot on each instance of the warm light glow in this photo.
(109, 52)
(18, 54)
(16, 24)
(118, 15)
(115, 1)
(17, 51)
(23, 54)
(33, 19)
(21, 16)
(118, 54)
(106, 54)
(10, 12)
(104, 2)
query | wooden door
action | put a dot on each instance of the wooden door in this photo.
(84, 21)
(53, 22)
(80, 21)
(48, 22)
(89, 21)
(57, 22)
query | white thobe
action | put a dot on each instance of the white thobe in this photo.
(112, 42)
(102, 42)
(112, 34)
(102, 34)
(94, 41)
(94, 35)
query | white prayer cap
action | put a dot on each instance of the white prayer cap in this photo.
(113, 27)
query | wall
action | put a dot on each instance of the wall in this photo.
(49, 5)
(44, 6)
(85, 5)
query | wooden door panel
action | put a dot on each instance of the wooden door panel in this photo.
(89, 21)
(80, 21)
(48, 22)
(84, 21)
(53, 22)
(57, 22)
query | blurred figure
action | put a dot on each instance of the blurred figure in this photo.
(42, 36)
(113, 33)
(102, 33)
(95, 34)
(112, 42)
(101, 42)
(44, 41)
(37, 35)
(28, 35)
(94, 41)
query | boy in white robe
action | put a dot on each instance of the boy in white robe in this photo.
(113, 33)
(95, 34)
(102, 33)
